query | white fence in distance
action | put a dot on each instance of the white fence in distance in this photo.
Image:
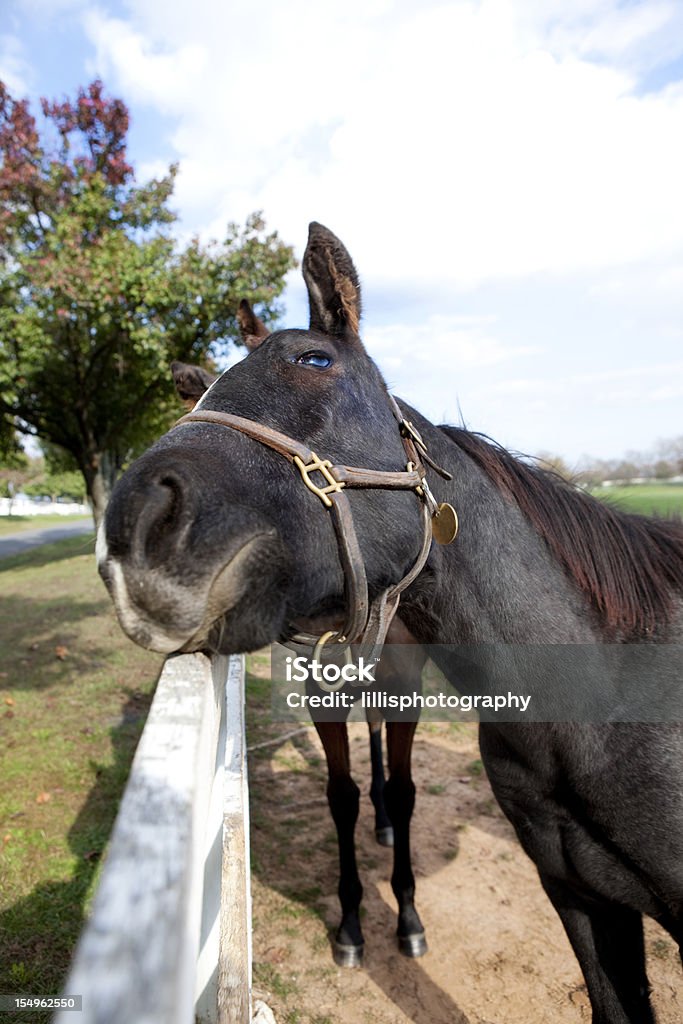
(169, 937)
(23, 506)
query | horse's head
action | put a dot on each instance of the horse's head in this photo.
(213, 539)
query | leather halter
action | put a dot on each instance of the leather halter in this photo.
(366, 624)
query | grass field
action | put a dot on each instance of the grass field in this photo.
(646, 499)
(17, 524)
(74, 694)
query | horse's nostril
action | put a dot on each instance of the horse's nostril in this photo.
(173, 496)
(158, 527)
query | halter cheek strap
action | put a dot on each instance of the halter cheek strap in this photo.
(365, 624)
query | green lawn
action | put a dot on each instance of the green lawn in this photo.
(17, 524)
(647, 499)
(74, 694)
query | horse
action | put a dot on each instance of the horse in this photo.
(230, 533)
(343, 794)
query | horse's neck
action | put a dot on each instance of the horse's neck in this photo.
(497, 582)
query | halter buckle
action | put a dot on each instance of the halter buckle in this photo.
(323, 466)
(423, 492)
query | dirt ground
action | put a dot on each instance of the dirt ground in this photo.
(497, 952)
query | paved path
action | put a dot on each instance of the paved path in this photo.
(15, 543)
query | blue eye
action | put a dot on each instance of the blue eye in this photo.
(319, 359)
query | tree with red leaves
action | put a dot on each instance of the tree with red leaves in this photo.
(96, 296)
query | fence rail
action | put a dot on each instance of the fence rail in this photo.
(169, 937)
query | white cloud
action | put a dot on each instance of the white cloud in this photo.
(15, 71)
(604, 413)
(167, 79)
(454, 342)
(636, 35)
(607, 379)
(666, 393)
(467, 142)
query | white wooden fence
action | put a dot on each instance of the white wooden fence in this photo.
(20, 505)
(169, 937)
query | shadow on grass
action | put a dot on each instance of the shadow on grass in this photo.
(33, 633)
(38, 934)
(41, 629)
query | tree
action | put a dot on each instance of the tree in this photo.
(671, 451)
(96, 296)
(36, 478)
(555, 463)
(15, 471)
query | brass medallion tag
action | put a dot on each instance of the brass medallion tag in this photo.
(445, 524)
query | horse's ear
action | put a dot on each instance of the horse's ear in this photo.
(253, 330)
(332, 283)
(191, 382)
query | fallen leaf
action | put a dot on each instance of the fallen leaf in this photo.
(10, 701)
(61, 652)
(43, 798)
(6, 838)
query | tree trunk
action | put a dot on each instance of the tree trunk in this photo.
(99, 475)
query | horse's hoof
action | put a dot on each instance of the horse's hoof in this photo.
(346, 955)
(385, 836)
(412, 945)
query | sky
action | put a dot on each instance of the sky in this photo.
(506, 174)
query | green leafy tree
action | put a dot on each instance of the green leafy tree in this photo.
(97, 297)
(67, 486)
(18, 472)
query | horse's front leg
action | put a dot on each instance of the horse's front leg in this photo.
(399, 799)
(400, 669)
(384, 833)
(573, 863)
(343, 798)
(608, 942)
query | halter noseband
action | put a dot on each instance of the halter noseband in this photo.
(366, 624)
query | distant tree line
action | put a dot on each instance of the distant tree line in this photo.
(22, 474)
(664, 462)
(98, 297)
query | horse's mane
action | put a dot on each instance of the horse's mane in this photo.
(629, 565)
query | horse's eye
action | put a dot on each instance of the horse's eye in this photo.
(319, 359)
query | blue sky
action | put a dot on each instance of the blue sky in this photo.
(505, 173)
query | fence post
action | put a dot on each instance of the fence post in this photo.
(174, 898)
(224, 965)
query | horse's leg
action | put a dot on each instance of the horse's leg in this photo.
(608, 942)
(399, 799)
(343, 798)
(383, 830)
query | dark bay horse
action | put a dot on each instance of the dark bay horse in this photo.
(211, 540)
(343, 793)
